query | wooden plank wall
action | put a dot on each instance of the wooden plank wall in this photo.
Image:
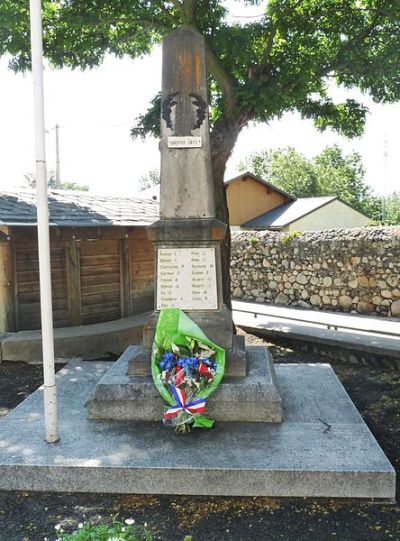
(26, 265)
(141, 254)
(247, 198)
(100, 281)
(7, 299)
(93, 281)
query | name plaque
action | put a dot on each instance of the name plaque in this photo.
(186, 141)
(187, 279)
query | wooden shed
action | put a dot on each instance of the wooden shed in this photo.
(102, 263)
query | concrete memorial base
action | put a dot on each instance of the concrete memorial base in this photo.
(254, 397)
(322, 448)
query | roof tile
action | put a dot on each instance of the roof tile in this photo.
(77, 209)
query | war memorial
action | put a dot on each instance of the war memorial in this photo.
(280, 429)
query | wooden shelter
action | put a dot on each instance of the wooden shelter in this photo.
(102, 263)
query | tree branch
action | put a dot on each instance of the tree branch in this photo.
(224, 80)
(268, 48)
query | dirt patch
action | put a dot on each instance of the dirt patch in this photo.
(376, 393)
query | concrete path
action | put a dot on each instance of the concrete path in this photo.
(360, 333)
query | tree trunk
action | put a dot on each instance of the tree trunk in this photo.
(223, 139)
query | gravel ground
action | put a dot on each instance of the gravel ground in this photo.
(32, 516)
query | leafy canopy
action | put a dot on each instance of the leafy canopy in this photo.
(281, 61)
(329, 173)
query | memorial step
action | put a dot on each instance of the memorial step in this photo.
(299, 457)
(251, 398)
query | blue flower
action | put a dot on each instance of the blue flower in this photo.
(190, 365)
(208, 362)
(167, 361)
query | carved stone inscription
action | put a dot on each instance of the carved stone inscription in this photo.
(184, 142)
(186, 279)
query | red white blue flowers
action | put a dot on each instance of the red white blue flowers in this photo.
(186, 368)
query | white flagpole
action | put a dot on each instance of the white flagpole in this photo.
(50, 395)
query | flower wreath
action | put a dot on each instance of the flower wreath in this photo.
(186, 368)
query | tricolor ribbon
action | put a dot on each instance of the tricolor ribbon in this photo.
(196, 406)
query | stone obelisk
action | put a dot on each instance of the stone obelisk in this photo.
(187, 241)
(188, 236)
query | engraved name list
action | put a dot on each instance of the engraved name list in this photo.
(186, 279)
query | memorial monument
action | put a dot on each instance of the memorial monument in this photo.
(187, 241)
(321, 449)
(188, 236)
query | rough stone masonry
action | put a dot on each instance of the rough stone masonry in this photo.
(340, 269)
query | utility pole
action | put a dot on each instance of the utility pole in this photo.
(383, 200)
(58, 173)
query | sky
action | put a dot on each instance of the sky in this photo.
(96, 109)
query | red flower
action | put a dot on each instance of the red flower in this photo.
(205, 371)
(179, 377)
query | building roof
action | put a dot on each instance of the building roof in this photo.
(77, 209)
(261, 181)
(154, 191)
(288, 212)
(151, 193)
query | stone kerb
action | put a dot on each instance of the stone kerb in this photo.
(348, 270)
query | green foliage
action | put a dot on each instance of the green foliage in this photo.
(117, 531)
(282, 61)
(329, 173)
(152, 178)
(149, 122)
(290, 236)
(391, 212)
(386, 210)
(253, 241)
(71, 186)
(286, 169)
(30, 179)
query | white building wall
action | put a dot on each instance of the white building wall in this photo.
(331, 216)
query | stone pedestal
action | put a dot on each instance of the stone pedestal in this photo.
(193, 243)
(253, 398)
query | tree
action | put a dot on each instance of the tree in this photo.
(51, 182)
(342, 176)
(286, 169)
(329, 173)
(391, 209)
(281, 61)
(152, 178)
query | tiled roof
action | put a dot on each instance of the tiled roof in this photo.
(288, 212)
(77, 209)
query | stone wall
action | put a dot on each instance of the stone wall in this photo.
(348, 270)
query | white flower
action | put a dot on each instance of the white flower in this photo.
(129, 521)
(80, 525)
(57, 527)
(145, 524)
(113, 539)
(123, 529)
